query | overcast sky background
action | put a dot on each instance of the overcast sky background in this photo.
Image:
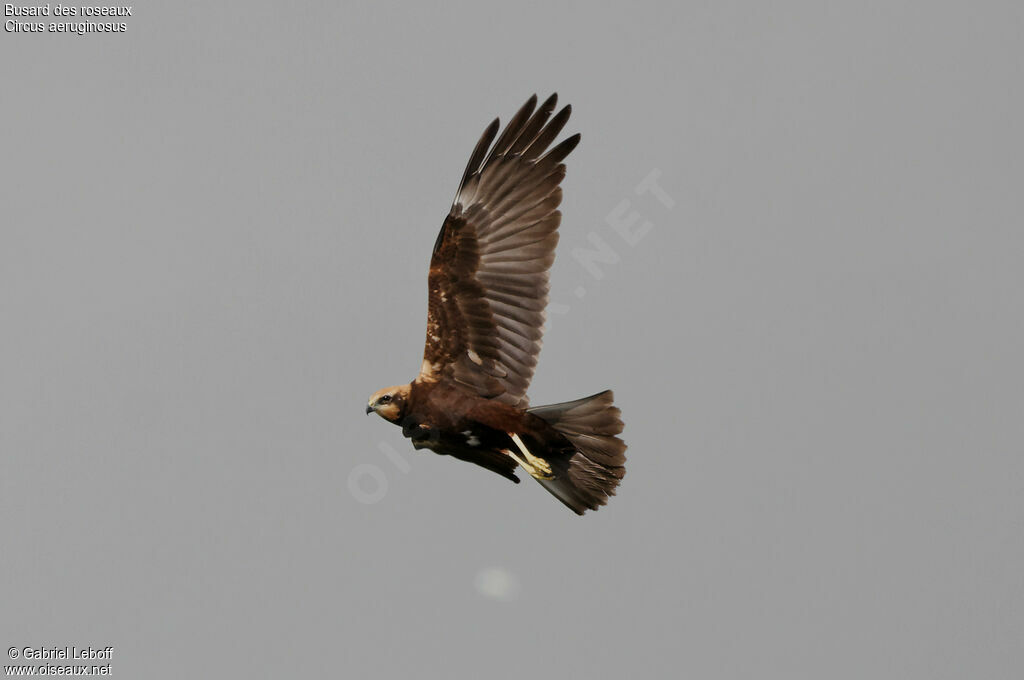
(214, 244)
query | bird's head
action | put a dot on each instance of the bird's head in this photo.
(389, 403)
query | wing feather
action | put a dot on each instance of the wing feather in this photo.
(488, 283)
(477, 157)
(513, 129)
(536, 123)
(548, 134)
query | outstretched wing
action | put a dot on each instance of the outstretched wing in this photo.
(488, 283)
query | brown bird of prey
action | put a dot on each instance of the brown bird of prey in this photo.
(488, 287)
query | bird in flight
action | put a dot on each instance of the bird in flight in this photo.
(487, 293)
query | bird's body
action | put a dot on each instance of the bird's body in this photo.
(459, 424)
(488, 286)
(450, 421)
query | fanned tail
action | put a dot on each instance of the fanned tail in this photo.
(585, 477)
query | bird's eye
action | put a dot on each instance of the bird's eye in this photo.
(385, 399)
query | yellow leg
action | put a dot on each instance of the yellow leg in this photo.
(537, 467)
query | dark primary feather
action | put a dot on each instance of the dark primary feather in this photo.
(530, 130)
(488, 282)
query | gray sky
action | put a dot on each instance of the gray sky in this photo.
(214, 248)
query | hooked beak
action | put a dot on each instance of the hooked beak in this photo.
(369, 409)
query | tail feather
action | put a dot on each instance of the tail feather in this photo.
(589, 473)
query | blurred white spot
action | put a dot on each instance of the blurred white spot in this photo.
(497, 584)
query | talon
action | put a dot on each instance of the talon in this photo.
(538, 468)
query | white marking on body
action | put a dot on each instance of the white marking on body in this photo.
(428, 372)
(474, 357)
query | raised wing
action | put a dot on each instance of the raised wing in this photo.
(488, 283)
